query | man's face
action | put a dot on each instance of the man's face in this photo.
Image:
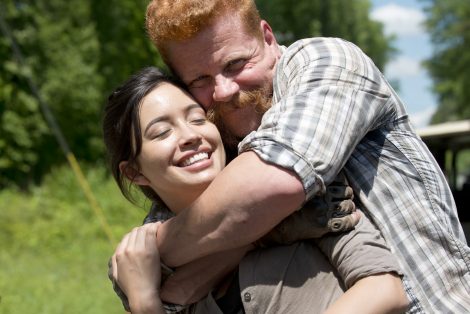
(223, 62)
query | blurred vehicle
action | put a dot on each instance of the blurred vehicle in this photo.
(450, 144)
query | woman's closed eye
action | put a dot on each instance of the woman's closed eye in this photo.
(160, 133)
(199, 121)
(197, 116)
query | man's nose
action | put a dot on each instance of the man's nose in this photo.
(224, 89)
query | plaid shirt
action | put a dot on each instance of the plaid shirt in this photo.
(332, 108)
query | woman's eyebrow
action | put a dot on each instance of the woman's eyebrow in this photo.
(156, 120)
(192, 107)
(166, 118)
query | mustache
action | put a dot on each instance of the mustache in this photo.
(260, 99)
(256, 98)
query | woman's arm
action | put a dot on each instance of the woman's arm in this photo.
(369, 270)
(136, 268)
(193, 281)
(361, 256)
(378, 294)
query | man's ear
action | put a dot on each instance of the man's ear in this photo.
(268, 34)
(133, 174)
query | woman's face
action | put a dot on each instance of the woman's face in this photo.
(182, 151)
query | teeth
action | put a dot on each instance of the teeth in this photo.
(193, 159)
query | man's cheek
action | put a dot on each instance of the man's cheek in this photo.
(203, 97)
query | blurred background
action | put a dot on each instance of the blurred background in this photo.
(61, 213)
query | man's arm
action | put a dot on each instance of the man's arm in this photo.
(332, 212)
(246, 200)
(193, 281)
(324, 107)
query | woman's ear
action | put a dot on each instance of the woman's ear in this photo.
(133, 174)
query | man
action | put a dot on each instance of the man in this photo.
(331, 110)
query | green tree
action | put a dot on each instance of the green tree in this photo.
(75, 52)
(124, 46)
(448, 22)
(59, 46)
(22, 129)
(333, 18)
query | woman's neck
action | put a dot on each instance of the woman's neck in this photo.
(177, 202)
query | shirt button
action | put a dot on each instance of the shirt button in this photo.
(247, 297)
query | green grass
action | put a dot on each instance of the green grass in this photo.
(53, 251)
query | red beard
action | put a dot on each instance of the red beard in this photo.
(260, 99)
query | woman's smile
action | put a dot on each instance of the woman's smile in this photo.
(181, 149)
(195, 159)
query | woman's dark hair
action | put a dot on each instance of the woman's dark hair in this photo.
(121, 126)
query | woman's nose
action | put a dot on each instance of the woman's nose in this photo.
(189, 136)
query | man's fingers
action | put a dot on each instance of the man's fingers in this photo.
(343, 208)
(344, 223)
(340, 192)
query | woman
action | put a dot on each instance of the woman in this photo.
(159, 139)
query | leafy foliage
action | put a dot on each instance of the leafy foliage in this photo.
(333, 18)
(22, 128)
(449, 24)
(75, 52)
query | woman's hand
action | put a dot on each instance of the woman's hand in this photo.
(136, 269)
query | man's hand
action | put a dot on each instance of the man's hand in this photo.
(333, 212)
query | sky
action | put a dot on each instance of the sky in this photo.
(405, 18)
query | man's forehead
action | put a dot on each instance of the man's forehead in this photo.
(189, 65)
(191, 61)
(215, 44)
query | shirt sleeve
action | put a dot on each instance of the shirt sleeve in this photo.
(327, 94)
(359, 253)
